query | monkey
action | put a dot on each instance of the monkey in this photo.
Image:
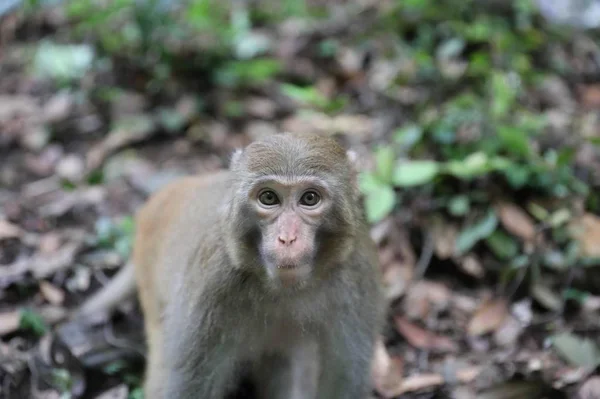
(265, 268)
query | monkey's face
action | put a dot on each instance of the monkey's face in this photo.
(294, 208)
(289, 214)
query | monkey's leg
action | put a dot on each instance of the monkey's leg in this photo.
(210, 374)
(153, 381)
(289, 375)
(346, 364)
(272, 376)
(201, 359)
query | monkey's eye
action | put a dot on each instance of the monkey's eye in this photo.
(268, 198)
(310, 198)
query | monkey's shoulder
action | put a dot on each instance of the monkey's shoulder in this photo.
(169, 200)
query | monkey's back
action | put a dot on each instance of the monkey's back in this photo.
(166, 219)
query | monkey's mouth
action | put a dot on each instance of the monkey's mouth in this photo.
(287, 266)
(287, 273)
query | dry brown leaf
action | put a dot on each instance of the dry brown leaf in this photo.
(12, 106)
(381, 230)
(590, 95)
(395, 279)
(260, 107)
(43, 265)
(423, 296)
(590, 389)
(591, 303)
(471, 265)
(423, 339)
(118, 392)
(586, 230)
(509, 331)
(424, 381)
(488, 317)
(139, 127)
(9, 230)
(386, 256)
(52, 293)
(513, 390)
(9, 322)
(316, 122)
(397, 262)
(52, 314)
(386, 371)
(58, 107)
(257, 130)
(50, 243)
(516, 221)
(428, 381)
(444, 236)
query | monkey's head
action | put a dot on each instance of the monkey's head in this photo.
(294, 210)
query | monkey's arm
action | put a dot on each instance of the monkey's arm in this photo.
(201, 360)
(346, 356)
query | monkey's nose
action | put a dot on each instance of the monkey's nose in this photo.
(286, 240)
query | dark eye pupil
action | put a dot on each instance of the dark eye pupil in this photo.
(310, 199)
(268, 198)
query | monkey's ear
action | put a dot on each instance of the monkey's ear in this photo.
(235, 158)
(352, 158)
(355, 168)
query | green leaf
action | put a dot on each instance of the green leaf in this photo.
(368, 182)
(62, 379)
(63, 62)
(546, 297)
(384, 159)
(137, 393)
(581, 352)
(472, 166)
(115, 367)
(559, 217)
(170, 119)
(514, 140)
(451, 48)
(503, 94)
(408, 136)
(576, 295)
(459, 205)
(32, 321)
(307, 95)
(380, 198)
(539, 212)
(502, 245)
(517, 175)
(555, 260)
(379, 203)
(565, 156)
(414, 173)
(247, 72)
(328, 47)
(476, 232)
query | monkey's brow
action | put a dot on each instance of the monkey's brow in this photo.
(291, 180)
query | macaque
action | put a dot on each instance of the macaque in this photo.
(266, 269)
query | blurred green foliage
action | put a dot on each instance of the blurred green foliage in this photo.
(474, 139)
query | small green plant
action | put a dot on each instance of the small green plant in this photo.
(32, 321)
(117, 236)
